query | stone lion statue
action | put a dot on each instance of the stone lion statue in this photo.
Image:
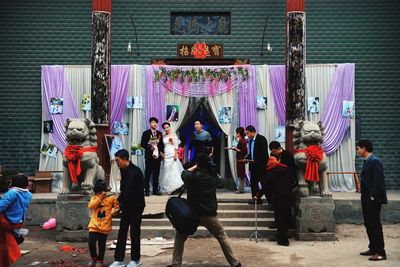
(310, 158)
(81, 164)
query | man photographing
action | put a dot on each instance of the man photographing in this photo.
(201, 183)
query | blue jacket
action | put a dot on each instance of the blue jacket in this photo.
(14, 204)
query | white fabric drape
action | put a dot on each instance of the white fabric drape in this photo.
(216, 102)
(318, 83)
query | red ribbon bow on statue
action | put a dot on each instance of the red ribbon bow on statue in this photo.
(314, 154)
(74, 153)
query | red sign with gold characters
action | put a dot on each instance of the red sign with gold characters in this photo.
(200, 50)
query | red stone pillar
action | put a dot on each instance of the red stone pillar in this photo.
(295, 66)
(101, 74)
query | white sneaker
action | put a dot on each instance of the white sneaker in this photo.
(134, 264)
(117, 264)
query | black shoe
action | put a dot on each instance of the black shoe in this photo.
(156, 193)
(147, 193)
(239, 265)
(283, 243)
(367, 253)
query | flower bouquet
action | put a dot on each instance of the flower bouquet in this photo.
(154, 145)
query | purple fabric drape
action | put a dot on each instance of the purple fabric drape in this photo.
(120, 77)
(277, 75)
(54, 83)
(155, 101)
(247, 95)
(335, 125)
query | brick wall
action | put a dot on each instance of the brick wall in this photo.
(34, 33)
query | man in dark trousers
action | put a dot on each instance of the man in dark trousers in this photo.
(373, 195)
(201, 181)
(152, 160)
(131, 202)
(258, 156)
(278, 183)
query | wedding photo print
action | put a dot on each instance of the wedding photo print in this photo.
(114, 143)
(172, 113)
(348, 109)
(134, 102)
(47, 126)
(225, 115)
(49, 150)
(313, 104)
(86, 102)
(262, 102)
(121, 128)
(56, 105)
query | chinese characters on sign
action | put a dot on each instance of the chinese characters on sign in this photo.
(197, 23)
(186, 50)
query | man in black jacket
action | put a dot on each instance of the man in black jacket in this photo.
(131, 202)
(373, 195)
(201, 194)
(152, 161)
(258, 156)
(284, 157)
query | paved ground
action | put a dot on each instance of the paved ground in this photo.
(351, 239)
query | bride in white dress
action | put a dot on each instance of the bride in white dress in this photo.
(171, 168)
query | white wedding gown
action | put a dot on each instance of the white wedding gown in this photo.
(170, 170)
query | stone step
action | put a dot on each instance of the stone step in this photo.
(169, 232)
(239, 206)
(265, 222)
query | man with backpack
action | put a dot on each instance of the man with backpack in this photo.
(201, 182)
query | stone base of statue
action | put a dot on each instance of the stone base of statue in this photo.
(315, 220)
(72, 217)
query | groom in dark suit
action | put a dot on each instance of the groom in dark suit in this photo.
(258, 156)
(152, 161)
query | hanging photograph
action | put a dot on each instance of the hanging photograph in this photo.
(134, 102)
(47, 126)
(86, 102)
(114, 143)
(121, 128)
(137, 150)
(262, 102)
(172, 113)
(348, 109)
(225, 115)
(313, 104)
(280, 134)
(56, 105)
(49, 150)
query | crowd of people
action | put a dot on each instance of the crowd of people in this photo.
(272, 175)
